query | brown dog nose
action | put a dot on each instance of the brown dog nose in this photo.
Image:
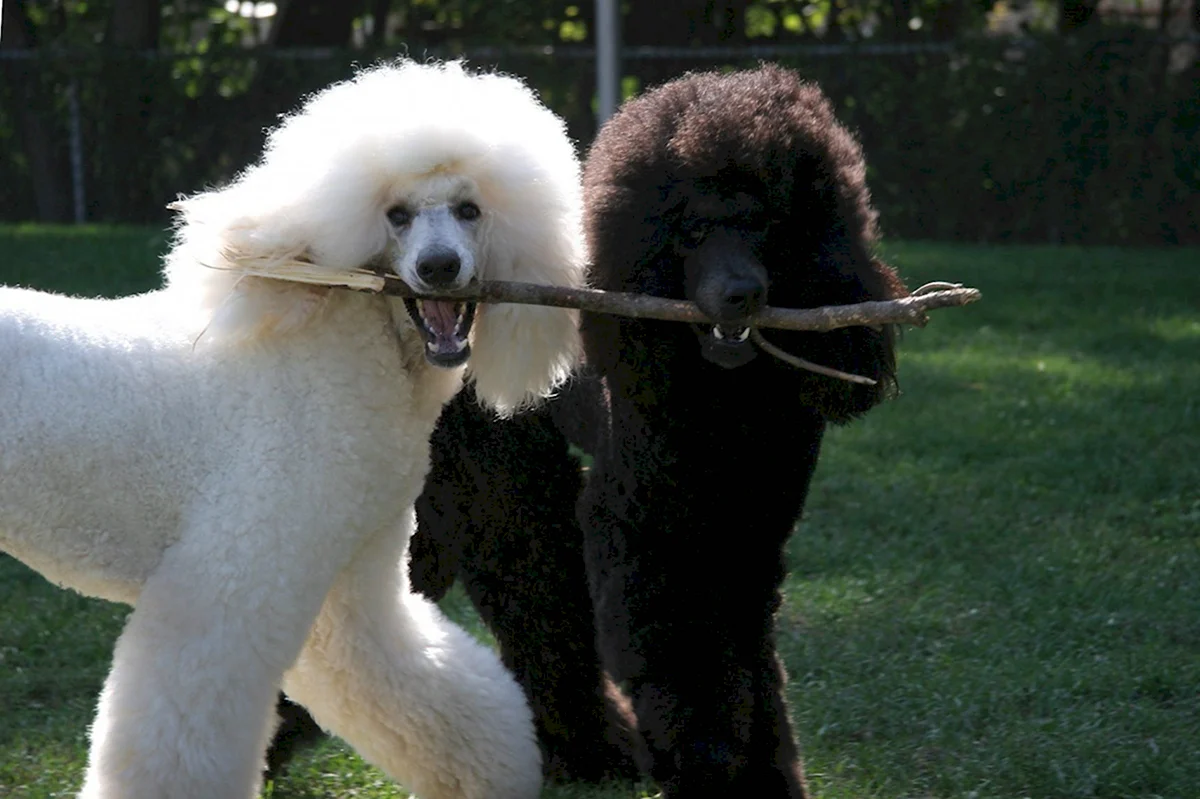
(742, 296)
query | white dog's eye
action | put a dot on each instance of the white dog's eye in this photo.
(399, 216)
(467, 211)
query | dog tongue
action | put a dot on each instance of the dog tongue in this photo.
(441, 318)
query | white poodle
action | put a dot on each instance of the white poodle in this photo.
(238, 457)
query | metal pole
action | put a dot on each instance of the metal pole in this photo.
(75, 142)
(608, 58)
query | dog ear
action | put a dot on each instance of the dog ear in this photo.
(257, 308)
(865, 351)
(521, 353)
(213, 243)
(862, 351)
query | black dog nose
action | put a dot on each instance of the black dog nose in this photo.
(438, 267)
(742, 296)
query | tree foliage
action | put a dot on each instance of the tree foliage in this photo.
(186, 24)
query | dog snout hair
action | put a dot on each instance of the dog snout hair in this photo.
(438, 266)
(437, 250)
(742, 294)
(726, 279)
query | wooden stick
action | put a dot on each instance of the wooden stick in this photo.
(911, 310)
(801, 363)
(906, 310)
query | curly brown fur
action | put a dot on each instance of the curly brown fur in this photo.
(732, 190)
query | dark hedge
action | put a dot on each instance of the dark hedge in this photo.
(1060, 140)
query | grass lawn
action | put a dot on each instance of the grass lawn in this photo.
(996, 588)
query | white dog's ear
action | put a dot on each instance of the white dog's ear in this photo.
(214, 243)
(257, 308)
(521, 353)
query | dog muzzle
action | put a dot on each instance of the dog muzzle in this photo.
(445, 326)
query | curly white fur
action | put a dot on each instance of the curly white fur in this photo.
(238, 458)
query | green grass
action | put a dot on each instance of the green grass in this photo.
(996, 589)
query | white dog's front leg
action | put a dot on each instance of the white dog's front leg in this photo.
(187, 709)
(412, 692)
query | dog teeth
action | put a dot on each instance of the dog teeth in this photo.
(739, 337)
(460, 344)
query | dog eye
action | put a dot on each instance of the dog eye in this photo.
(467, 211)
(399, 216)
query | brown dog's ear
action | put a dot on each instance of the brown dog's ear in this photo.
(868, 351)
(891, 285)
(865, 351)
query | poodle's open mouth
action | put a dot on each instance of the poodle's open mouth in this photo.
(726, 345)
(733, 335)
(444, 324)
